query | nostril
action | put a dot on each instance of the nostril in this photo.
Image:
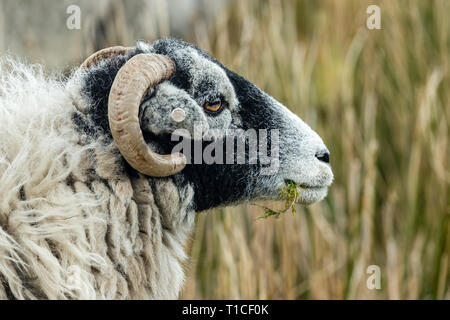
(323, 156)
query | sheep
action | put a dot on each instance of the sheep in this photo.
(95, 200)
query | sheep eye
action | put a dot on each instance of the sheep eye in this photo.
(214, 105)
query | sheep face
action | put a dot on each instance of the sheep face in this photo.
(296, 152)
(220, 109)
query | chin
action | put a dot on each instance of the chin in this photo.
(312, 195)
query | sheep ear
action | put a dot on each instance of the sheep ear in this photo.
(103, 54)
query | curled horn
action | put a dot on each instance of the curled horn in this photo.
(103, 54)
(131, 84)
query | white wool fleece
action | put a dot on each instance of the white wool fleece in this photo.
(71, 225)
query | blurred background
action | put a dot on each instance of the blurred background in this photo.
(380, 99)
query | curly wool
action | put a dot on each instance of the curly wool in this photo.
(72, 224)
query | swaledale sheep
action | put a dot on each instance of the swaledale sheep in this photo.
(94, 202)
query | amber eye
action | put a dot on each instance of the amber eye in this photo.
(214, 105)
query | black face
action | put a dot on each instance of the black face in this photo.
(213, 184)
(227, 101)
(217, 184)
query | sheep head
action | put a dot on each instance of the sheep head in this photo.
(167, 89)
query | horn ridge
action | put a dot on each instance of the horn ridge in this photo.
(136, 77)
(103, 54)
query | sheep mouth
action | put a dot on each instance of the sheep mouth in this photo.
(304, 185)
(308, 193)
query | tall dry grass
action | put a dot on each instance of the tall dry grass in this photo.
(381, 101)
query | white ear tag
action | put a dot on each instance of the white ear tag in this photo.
(178, 115)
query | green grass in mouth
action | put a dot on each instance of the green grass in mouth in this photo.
(290, 193)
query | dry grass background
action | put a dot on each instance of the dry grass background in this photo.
(380, 99)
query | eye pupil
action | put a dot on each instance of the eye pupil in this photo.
(213, 105)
